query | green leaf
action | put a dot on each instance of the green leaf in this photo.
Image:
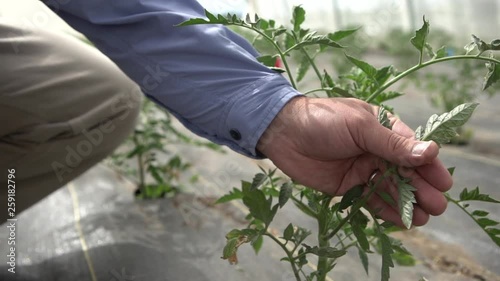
(479, 213)
(419, 133)
(401, 255)
(327, 80)
(288, 232)
(289, 41)
(285, 193)
(279, 32)
(367, 68)
(300, 235)
(383, 74)
(305, 210)
(327, 252)
(451, 170)
(233, 195)
(387, 198)
(485, 222)
(441, 53)
(475, 195)
(420, 38)
(383, 119)
(235, 238)
(404, 259)
(441, 129)
(138, 149)
(258, 180)
(258, 205)
(194, 21)
(385, 96)
(248, 232)
(364, 259)
(298, 17)
(267, 60)
(405, 202)
(350, 196)
(212, 19)
(257, 244)
(341, 34)
(387, 251)
(358, 225)
(155, 174)
(304, 66)
(230, 248)
(492, 76)
(480, 44)
(479, 216)
(313, 39)
(340, 92)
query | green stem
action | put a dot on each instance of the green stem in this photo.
(304, 206)
(323, 240)
(460, 206)
(422, 65)
(360, 204)
(275, 45)
(317, 90)
(288, 254)
(421, 57)
(313, 64)
(140, 165)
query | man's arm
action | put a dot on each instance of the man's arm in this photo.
(206, 75)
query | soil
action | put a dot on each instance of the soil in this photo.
(443, 257)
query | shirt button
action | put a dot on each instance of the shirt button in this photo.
(235, 134)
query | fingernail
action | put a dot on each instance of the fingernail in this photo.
(420, 148)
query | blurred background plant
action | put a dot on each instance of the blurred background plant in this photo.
(145, 157)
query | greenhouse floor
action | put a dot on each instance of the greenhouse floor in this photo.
(94, 229)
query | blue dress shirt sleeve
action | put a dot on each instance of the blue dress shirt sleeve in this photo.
(206, 75)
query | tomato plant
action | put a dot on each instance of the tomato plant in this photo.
(145, 156)
(347, 223)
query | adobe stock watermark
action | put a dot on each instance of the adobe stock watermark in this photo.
(122, 107)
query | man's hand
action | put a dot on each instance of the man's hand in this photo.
(333, 144)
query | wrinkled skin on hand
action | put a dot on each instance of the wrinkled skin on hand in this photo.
(334, 144)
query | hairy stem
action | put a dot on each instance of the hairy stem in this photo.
(289, 255)
(323, 240)
(317, 90)
(422, 65)
(275, 45)
(361, 203)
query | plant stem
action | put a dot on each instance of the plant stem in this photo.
(305, 207)
(317, 90)
(360, 204)
(275, 45)
(422, 65)
(289, 254)
(313, 64)
(458, 204)
(140, 165)
(323, 240)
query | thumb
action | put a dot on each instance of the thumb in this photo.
(398, 149)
